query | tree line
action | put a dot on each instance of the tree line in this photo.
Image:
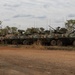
(69, 27)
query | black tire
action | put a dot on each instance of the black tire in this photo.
(14, 42)
(59, 43)
(25, 42)
(5, 42)
(74, 43)
(53, 43)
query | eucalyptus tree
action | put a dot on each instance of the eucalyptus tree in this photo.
(70, 25)
(0, 25)
(0, 28)
(14, 30)
(8, 29)
(0, 22)
(32, 30)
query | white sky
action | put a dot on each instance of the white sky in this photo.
(36, 13)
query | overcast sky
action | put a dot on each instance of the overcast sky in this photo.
(36, 13)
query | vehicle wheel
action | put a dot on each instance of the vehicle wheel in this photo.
(25, 42)
(53, 43)
(14, 42)
(74, 43)
(59, 43)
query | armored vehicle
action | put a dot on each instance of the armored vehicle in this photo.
(50, 39)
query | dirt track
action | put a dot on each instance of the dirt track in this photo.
(22, 61)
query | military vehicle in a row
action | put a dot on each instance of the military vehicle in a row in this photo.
(50, 39)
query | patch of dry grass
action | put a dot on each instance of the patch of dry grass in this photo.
(39, 47)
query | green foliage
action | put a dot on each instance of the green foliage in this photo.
(13, 30)
(70, 25)
(8, 30)
(33, 30)
(0, 22)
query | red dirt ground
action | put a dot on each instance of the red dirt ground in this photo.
(24, 61)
